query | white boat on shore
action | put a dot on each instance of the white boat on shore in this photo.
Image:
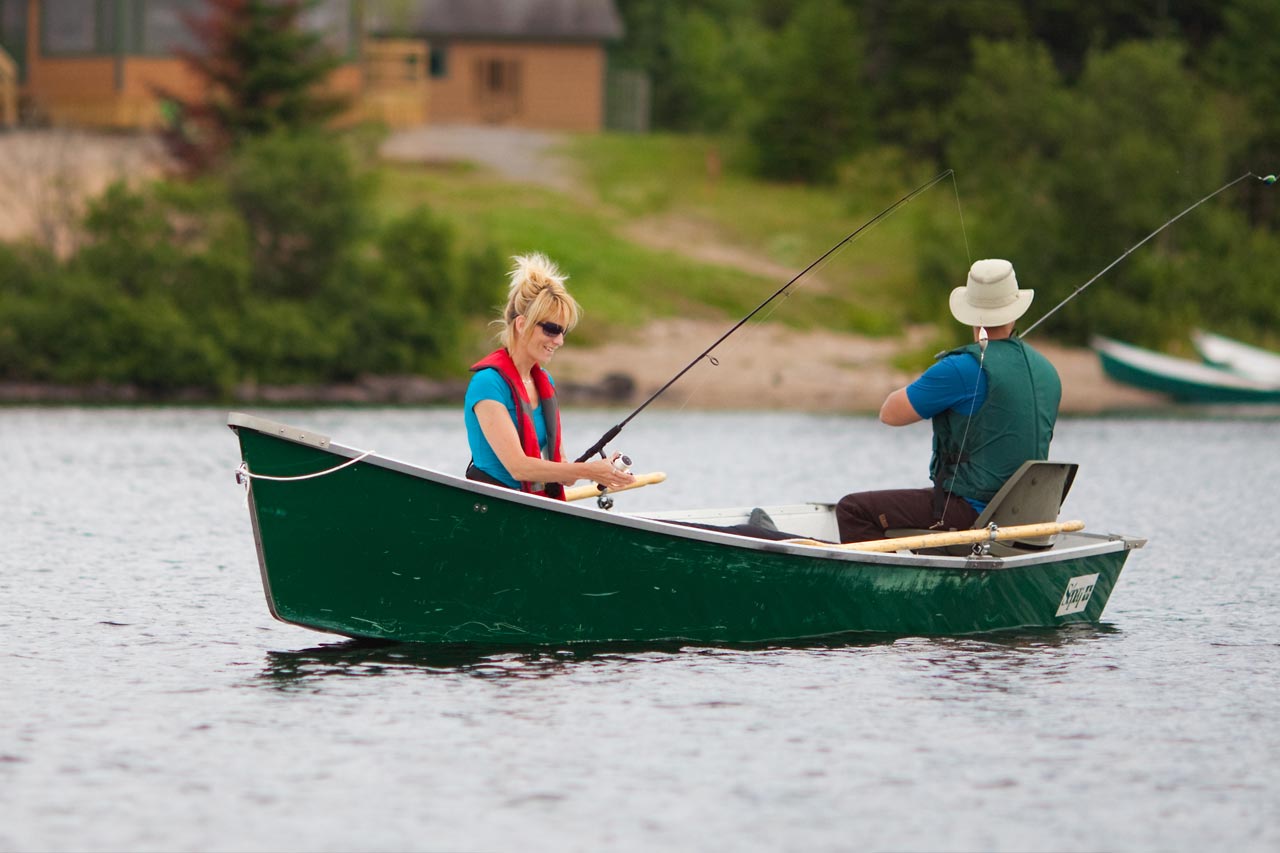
(1183, 379)
(1253, 362)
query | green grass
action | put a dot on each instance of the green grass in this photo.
(871, 285)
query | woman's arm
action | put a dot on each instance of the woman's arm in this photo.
(500, 432)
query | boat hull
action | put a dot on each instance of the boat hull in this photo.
(1184, 380)
(1249, 361)
(379, 549)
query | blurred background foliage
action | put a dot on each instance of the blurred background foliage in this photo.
(1074, 129)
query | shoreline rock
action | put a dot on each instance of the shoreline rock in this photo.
(612, 389)
(770, 368)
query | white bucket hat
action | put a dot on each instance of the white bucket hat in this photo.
(991, 296)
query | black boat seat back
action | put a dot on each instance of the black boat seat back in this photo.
(1033, 495)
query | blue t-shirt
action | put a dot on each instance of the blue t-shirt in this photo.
(488, 384)
(957, 383)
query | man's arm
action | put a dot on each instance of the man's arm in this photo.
(897, 409)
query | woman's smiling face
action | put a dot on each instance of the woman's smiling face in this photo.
(538, 341)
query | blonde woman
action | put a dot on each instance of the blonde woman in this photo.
(512, 415)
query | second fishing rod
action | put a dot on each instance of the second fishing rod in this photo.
(599, 446)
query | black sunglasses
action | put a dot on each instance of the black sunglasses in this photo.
(552, 329)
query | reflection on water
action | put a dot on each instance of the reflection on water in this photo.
(957, 658)
(364, 658)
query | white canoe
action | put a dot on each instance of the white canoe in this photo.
(1246, 360)
(1183, 379)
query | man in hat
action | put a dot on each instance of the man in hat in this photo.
(993, 404)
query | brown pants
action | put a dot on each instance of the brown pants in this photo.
(863, 516)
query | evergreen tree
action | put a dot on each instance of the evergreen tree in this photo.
(261, 71)
(815, 110)
(917, 51)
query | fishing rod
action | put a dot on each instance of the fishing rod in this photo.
(598, 447)
(1268, 179)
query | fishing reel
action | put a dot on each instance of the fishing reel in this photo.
(605, 501)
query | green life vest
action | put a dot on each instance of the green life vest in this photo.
(1013, 425)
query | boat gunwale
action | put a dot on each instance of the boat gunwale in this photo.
(1101, 543)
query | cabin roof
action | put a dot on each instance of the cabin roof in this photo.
(556, 20)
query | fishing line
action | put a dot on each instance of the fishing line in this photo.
(963, 230)
(732, 347)
(1269, 179)
(598, 447)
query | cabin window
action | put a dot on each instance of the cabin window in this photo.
(78, 27)
(164, 26)
(439, 61)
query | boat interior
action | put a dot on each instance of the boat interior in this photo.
(806, 521)
(1033, 495)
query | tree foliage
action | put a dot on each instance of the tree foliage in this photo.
(814, 110)
(1245, 61)
(270, 273)
(305, 207)
(907, 56)
(1087, 171)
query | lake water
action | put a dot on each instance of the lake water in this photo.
(149, 702)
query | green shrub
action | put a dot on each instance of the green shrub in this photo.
(305, 208)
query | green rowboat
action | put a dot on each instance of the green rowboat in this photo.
(361, 545)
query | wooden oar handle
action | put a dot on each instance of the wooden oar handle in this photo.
(952, 537)
(592, 490)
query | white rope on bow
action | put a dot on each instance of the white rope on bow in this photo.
(244, 475)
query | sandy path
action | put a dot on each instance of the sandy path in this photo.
(772, 367)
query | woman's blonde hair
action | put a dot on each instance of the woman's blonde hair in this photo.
(537, 293)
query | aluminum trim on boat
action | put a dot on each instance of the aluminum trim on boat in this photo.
(311, 438)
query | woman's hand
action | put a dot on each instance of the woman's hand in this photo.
(603, 472)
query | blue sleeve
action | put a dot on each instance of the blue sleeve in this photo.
(487, 385)
(956, 382)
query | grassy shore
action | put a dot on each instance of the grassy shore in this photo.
(663, 226)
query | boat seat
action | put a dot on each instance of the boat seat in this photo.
(1033, 495)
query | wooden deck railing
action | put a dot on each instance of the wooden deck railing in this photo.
(8, 90)
(396, 80)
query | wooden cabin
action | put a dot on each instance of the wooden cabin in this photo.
(99, 62)
(527, 63)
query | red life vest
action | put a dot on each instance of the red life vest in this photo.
(500, 360)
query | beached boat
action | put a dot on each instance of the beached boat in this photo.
(358, 544)
(1253, 362)
(1181, 378)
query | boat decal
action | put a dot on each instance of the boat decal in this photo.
(1077, 594)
